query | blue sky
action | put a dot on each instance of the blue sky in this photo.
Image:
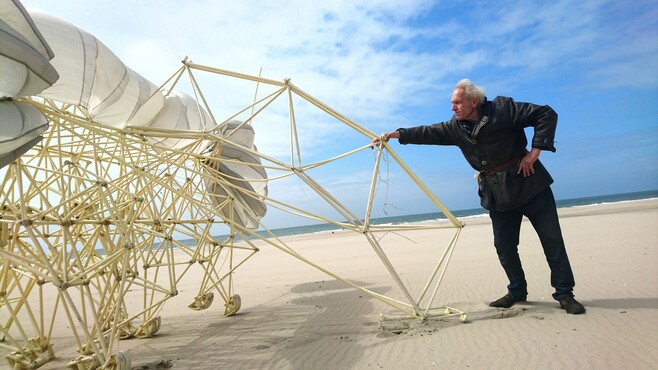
(390, 64)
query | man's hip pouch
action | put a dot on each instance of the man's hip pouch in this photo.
(501, 188)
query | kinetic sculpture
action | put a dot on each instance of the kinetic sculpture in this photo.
(107, 177)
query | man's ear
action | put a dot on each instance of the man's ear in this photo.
(474, 102)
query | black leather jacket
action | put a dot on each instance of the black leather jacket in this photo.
(495, 148)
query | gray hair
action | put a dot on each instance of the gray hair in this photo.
(471, 90)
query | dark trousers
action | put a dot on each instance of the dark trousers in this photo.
(542, 213)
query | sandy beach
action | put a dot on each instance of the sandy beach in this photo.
(296, 317)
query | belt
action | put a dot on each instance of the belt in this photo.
(502, 166)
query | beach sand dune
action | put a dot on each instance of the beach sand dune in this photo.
(296, 317)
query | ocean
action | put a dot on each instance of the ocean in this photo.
(464, 213)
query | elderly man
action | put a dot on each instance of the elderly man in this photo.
(512, 181)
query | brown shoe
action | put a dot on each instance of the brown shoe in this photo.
(572, 306)
(505, 302)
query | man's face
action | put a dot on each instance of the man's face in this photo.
(464, 108)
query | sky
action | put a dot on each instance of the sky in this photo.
(390, 64)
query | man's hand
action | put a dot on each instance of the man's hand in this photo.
(526, 167)
(384, 137)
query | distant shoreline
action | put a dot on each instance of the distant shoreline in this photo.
(460, 214)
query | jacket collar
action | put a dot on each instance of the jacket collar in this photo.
(484, 117)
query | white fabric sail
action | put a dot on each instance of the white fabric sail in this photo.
(245, 178)
(24, 54)
(94, 78)
(180, 112)
(20, 124)
(37, 48)
(25, 70)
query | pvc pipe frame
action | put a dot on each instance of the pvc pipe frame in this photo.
(89, 153)
(365, 228)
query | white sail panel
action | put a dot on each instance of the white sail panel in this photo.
(20, 123)
(24, 54)
(180, 112)
(240, 177)
(25, 70)
(93, 77)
